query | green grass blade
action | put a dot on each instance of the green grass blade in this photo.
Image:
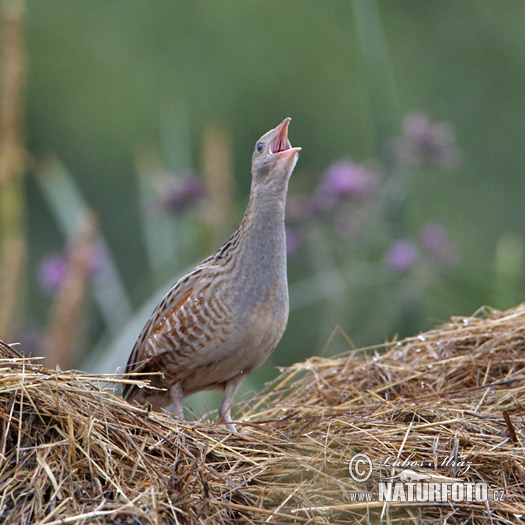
(68, 206)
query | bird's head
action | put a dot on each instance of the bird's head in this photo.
(274, 158)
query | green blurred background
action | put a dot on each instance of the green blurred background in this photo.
(110, 80)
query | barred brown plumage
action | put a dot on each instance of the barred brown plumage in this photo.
(224, 318)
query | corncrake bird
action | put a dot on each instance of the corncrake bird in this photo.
(225, 317)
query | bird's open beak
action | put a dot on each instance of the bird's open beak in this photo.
(280, 144)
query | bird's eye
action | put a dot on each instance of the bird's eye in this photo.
(260, 146)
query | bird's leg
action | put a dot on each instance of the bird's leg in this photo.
(229, 392)
(177, 397)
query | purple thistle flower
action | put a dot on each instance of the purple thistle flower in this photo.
(52, 272)
(402, 255)
(53, 268)
(424, 141)
(179, 193)
(346, 179)
(434, 239)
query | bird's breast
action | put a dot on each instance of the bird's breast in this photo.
(266, 318)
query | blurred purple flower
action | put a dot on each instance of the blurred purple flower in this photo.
(347, 179)
(52, 272)
(435, 240)
(179, 193)
(342, 180)
(53, 268)
(424, 141)
(292, 240)
(402, 255)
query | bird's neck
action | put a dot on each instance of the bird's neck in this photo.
(262, 236)
(266, 204)
(264, 215)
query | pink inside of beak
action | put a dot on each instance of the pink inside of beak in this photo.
(281, 142)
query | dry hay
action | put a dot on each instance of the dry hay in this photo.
(71, 452)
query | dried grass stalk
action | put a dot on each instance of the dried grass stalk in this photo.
(72, 452)
(13, 248)
(218, 172)
(61, 343)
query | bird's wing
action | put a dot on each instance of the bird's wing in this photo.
(178, 295)
(172, 301)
